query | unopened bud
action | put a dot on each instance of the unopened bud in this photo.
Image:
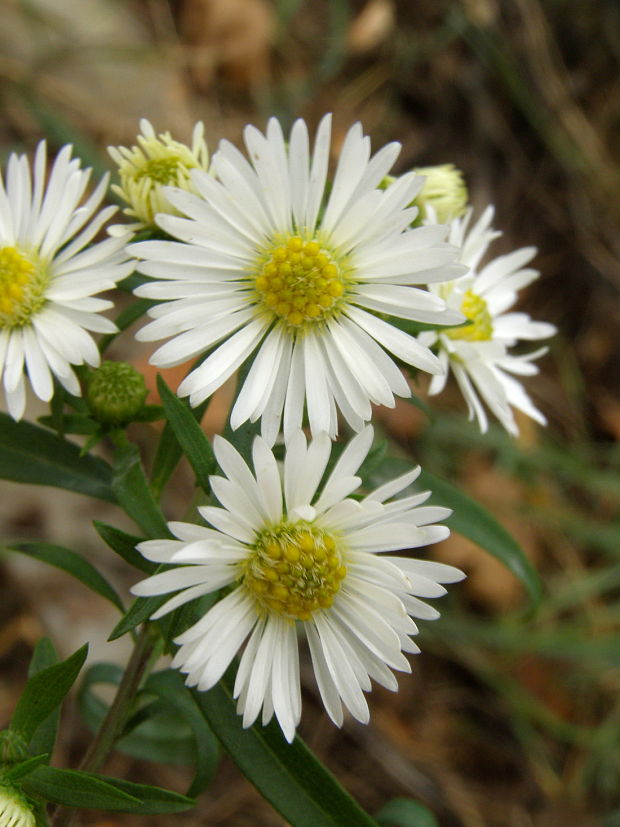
(444, 190)
(115, 393)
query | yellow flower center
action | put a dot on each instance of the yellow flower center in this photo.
(294, 570)
(300, 281)
(22, 284)
(475, 309)
(160, 170)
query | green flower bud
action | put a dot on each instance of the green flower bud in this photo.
(444, 190)
(15, 811)
(115, 393)
(13, 749)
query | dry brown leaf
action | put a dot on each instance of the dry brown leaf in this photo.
(232, 38)
(372, 26)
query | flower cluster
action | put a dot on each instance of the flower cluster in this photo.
(326, 288)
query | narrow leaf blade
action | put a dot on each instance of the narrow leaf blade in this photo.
(74, 564)
(133, 493)
(44, 692)
(190, 435)
(35, 455)
(300, 788)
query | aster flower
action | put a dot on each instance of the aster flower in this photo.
(267, 262)
(298, 556)
(479, 353)
(145, 170)
(47, 279)
(14, 808)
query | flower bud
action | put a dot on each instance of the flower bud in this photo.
(444, 190)
(115, 393)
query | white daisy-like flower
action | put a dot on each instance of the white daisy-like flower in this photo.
(479, 353)
(14, 808)
(48, 279)
(267, 261)
(299, 556)
(145, 170)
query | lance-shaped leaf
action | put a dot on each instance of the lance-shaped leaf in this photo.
(44, 692)
(133, 493)
(170, 687)
(74, 564)
(35, 455)
(87, 790)
(125, 546)
(303, 791)
(190, 435)
(44, 737)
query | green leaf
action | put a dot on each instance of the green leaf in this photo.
(403, 812)
(139, 611)
(24, 768)
(170, 687)
(133, 493)
(74, 564)
(190, 435)
(44, 692)
(300, 788)
(169, 451)
(88, 790)
(74, 788)
(44, 737)
(477, 524)
(69, 424)
(125, 546)
(34, 455)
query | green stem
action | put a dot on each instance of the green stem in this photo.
(113, 723)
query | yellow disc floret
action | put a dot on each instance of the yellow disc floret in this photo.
(22, 284)
(300, 281)
(294, 570)
(475, 309)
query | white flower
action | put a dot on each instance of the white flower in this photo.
(267, 261)
(299, 556)
(48, 279)
(479, 353)
(14, 808)
(145, 169)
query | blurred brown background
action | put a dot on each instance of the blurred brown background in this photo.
(508, 719)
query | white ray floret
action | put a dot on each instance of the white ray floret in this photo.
(298, 555)
(267, 263)
(478, 354)
(49, 276)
